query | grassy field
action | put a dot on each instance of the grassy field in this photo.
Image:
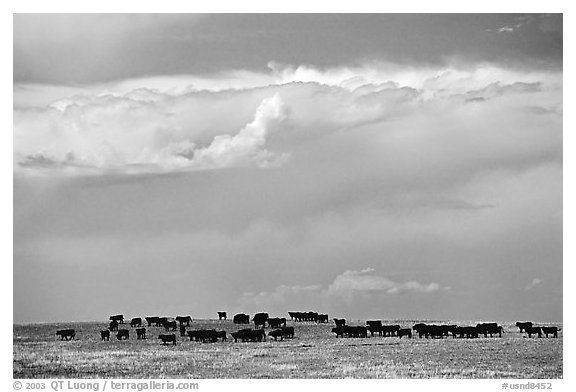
(314, 353)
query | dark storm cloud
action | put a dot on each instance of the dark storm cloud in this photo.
(88, 48)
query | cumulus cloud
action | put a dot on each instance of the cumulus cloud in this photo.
(349, 282)
(239, 119)
(351, 285)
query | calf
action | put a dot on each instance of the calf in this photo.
(405, 332)
(221, 315)
(66, 334)
(167, 339)
(105, 335)
(123, 334)
(141, 333)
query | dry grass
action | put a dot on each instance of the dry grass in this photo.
(313, 353)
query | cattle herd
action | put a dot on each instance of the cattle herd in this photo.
(280, 330)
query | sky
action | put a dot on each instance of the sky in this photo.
(362, 165)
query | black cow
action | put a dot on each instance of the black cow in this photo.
(465, 332)
(374, 326)
(123, 334)
(420, 329)
(351, 331)
(66, 334)
(162, 321)
(113, 325)
(221, 315)
(252, 335)
(405, 332)
(184, 320)
(489, 328)
(167, 339)
(141, 333)
(241, 318)
(339, 322)
(551, 330)
(533, 331)
(170, 325)
(118, 317)
(182, 330)
(524, 325)
(340, 331)
(155, 320)
(276, 322)
(136, 322)
(277, 333)
(390, 330)
(260, 320)
(288, 332)
(105, 335)
(321, 318)
(307, 316)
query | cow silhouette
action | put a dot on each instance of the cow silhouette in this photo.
(533, 331)
(119, 318)
(241, 318)
(170, 325)
(136, 322)
(113, 325)
(524, 325)
(551, 330)
(184, 320)
(260, 320)
(123, 334)
(141, 333)
(221, 315)
(167, 339)
(105, 335)
(339, 322)
(66, 334)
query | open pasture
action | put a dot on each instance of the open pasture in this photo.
(314, 352)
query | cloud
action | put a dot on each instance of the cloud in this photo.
(351, 282)
(245, 147)
(506, 29)
(535, 282)
(164, 124)
(351, 286)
